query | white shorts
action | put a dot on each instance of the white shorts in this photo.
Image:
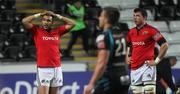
(51, 77)
(143, 74)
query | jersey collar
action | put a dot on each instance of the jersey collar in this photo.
(140, 27)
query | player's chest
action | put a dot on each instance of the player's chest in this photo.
(141, 36)
(45, 36)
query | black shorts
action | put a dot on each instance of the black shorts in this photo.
(108, 85)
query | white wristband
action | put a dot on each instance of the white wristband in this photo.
(59, 16)
(157, 60)
(37, 15)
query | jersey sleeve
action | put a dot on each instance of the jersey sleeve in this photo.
(100, 42)
(156, 35)
(62, 30)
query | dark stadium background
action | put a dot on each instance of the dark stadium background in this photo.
(17, 51)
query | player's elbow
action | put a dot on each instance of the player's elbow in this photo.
(165, 46)
(69, 26)
(73, 24)
(24, 21)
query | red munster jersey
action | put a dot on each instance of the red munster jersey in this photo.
(47, 45)
(143, 43)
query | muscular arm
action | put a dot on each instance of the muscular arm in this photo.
(100, 66)
(163, 83)
(128, 53)
(129, 49)
(162, 53)
(27, 21)
(128, 58)
(163, 50)
(70, 23)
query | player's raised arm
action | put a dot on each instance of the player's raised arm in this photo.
(27, 21)
(70, 23)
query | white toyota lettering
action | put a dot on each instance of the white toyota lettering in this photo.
(138, 43)
(50, 38)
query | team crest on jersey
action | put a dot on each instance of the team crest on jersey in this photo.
(145, 33)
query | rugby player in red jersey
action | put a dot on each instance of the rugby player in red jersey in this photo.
(47, 41)
(142, 39)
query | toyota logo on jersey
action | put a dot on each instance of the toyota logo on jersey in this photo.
(138, 43)
(50, 38)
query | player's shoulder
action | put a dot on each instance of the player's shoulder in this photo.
(131, 30)
(150, 27)
(35, 28)
(100, 37)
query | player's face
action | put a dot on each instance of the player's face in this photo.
(47, 21)
(78, 4)
(138, 18)
(102, 19)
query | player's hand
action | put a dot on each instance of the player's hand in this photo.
(88, 89)
(50, 13)
(43, 13)
(150, 62)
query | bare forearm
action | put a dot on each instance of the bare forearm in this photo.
(27, 21)
(68, 21)
(163, 50)
(100, 66)
(127, 55)
(99, 70)
(163, 83)
(65, 19)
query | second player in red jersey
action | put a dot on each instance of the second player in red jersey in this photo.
(143, 42)
(142, 39)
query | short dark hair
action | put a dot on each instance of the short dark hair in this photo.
(53, 18)
(142, 11)
(112, 14)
